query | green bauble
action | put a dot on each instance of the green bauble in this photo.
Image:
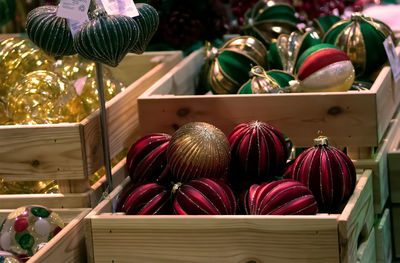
(147, 22)
(324, 23)
(49, 31)
(285, 51)
(106, 38)
(7, 11)
(262, 82)
(361, 38)
(229, 67)
(268, 19)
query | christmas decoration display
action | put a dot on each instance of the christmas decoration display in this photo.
(7, 10)
(147, 23)
(361, 38)
(41, 97)
(310, 10)
(282, 197)
(198, 149)
(29, 228)
(328, 172)
(258, 153)
(146, 159)
(49, 31)
(96, 40)
(272, 81)
(268, 19)
(147, 199)
(7, 257)
(285, 51)
(323, 23)
(324, 67)
(204, 196)
(229, 68)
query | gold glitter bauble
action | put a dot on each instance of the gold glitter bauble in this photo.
(29, 187)
(41, 97)
(82, 73)
(19, 56)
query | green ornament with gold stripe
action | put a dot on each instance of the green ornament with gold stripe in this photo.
(362, 39)
(324, 68)
(268, 19)
(263, 82)
(227, 68)
(323, 23)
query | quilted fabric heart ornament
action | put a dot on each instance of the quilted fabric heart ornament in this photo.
(204, 196)
(282, 197)
(147, 22)
(106, 38)
(49, 31)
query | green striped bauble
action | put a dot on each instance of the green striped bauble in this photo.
(324, 67)
(7, 11)
(147, 22)
(49, 31)
(362, 39)
(324, 23)
(262, 81)
(106, 38)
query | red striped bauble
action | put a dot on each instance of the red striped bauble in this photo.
(147, 199)
(282, 197)
(204, 196)
(146, 159)
(258, 152)
(328, 172)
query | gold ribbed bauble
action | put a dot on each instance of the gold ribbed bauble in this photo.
(198, 149)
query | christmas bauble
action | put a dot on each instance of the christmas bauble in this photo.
(146, 159)
(204, 196)
(328, 172)
(268, 19)
(29, 228)
(323, 23)
(261, 81)
(361, 38)
(41, 97)
(282, 197)
(147, 23)
(49, 31)
(324, 67)
(259, 153)
(286, 49)
(96, 40)
(7, 11)
(147, 199)
(230, 68)
(7, 257)
(198, 149)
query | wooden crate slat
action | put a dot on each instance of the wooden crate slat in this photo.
(366, 251)
(41, 152)
(383, 239)
(49, 200)
(394, 168)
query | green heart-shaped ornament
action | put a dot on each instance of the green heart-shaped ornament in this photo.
(147, 22)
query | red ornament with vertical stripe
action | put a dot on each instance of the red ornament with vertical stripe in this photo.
(282, 197)
(204, 196)
(328, 172)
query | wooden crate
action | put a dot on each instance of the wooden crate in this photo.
(70, 152)
(394, 168)
(69, 244)
(345, 237)
(348, 118)
(383, 238)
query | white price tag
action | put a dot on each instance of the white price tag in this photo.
(120, 7)
(394, 59)
(79, 84)
(74, 25)
(74, 9)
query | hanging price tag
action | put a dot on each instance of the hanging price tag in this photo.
(120, 7)
(394, 59)
(74, 9)
(79, 84)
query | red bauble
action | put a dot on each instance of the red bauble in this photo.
(147, 199)
(146, 159)
(283, 197)
(328, 172)
(204, 196)
(259, 152)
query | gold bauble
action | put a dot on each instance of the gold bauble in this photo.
(41, 97)
(19, 56)
(28, 187)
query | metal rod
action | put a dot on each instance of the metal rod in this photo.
(103, 123)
